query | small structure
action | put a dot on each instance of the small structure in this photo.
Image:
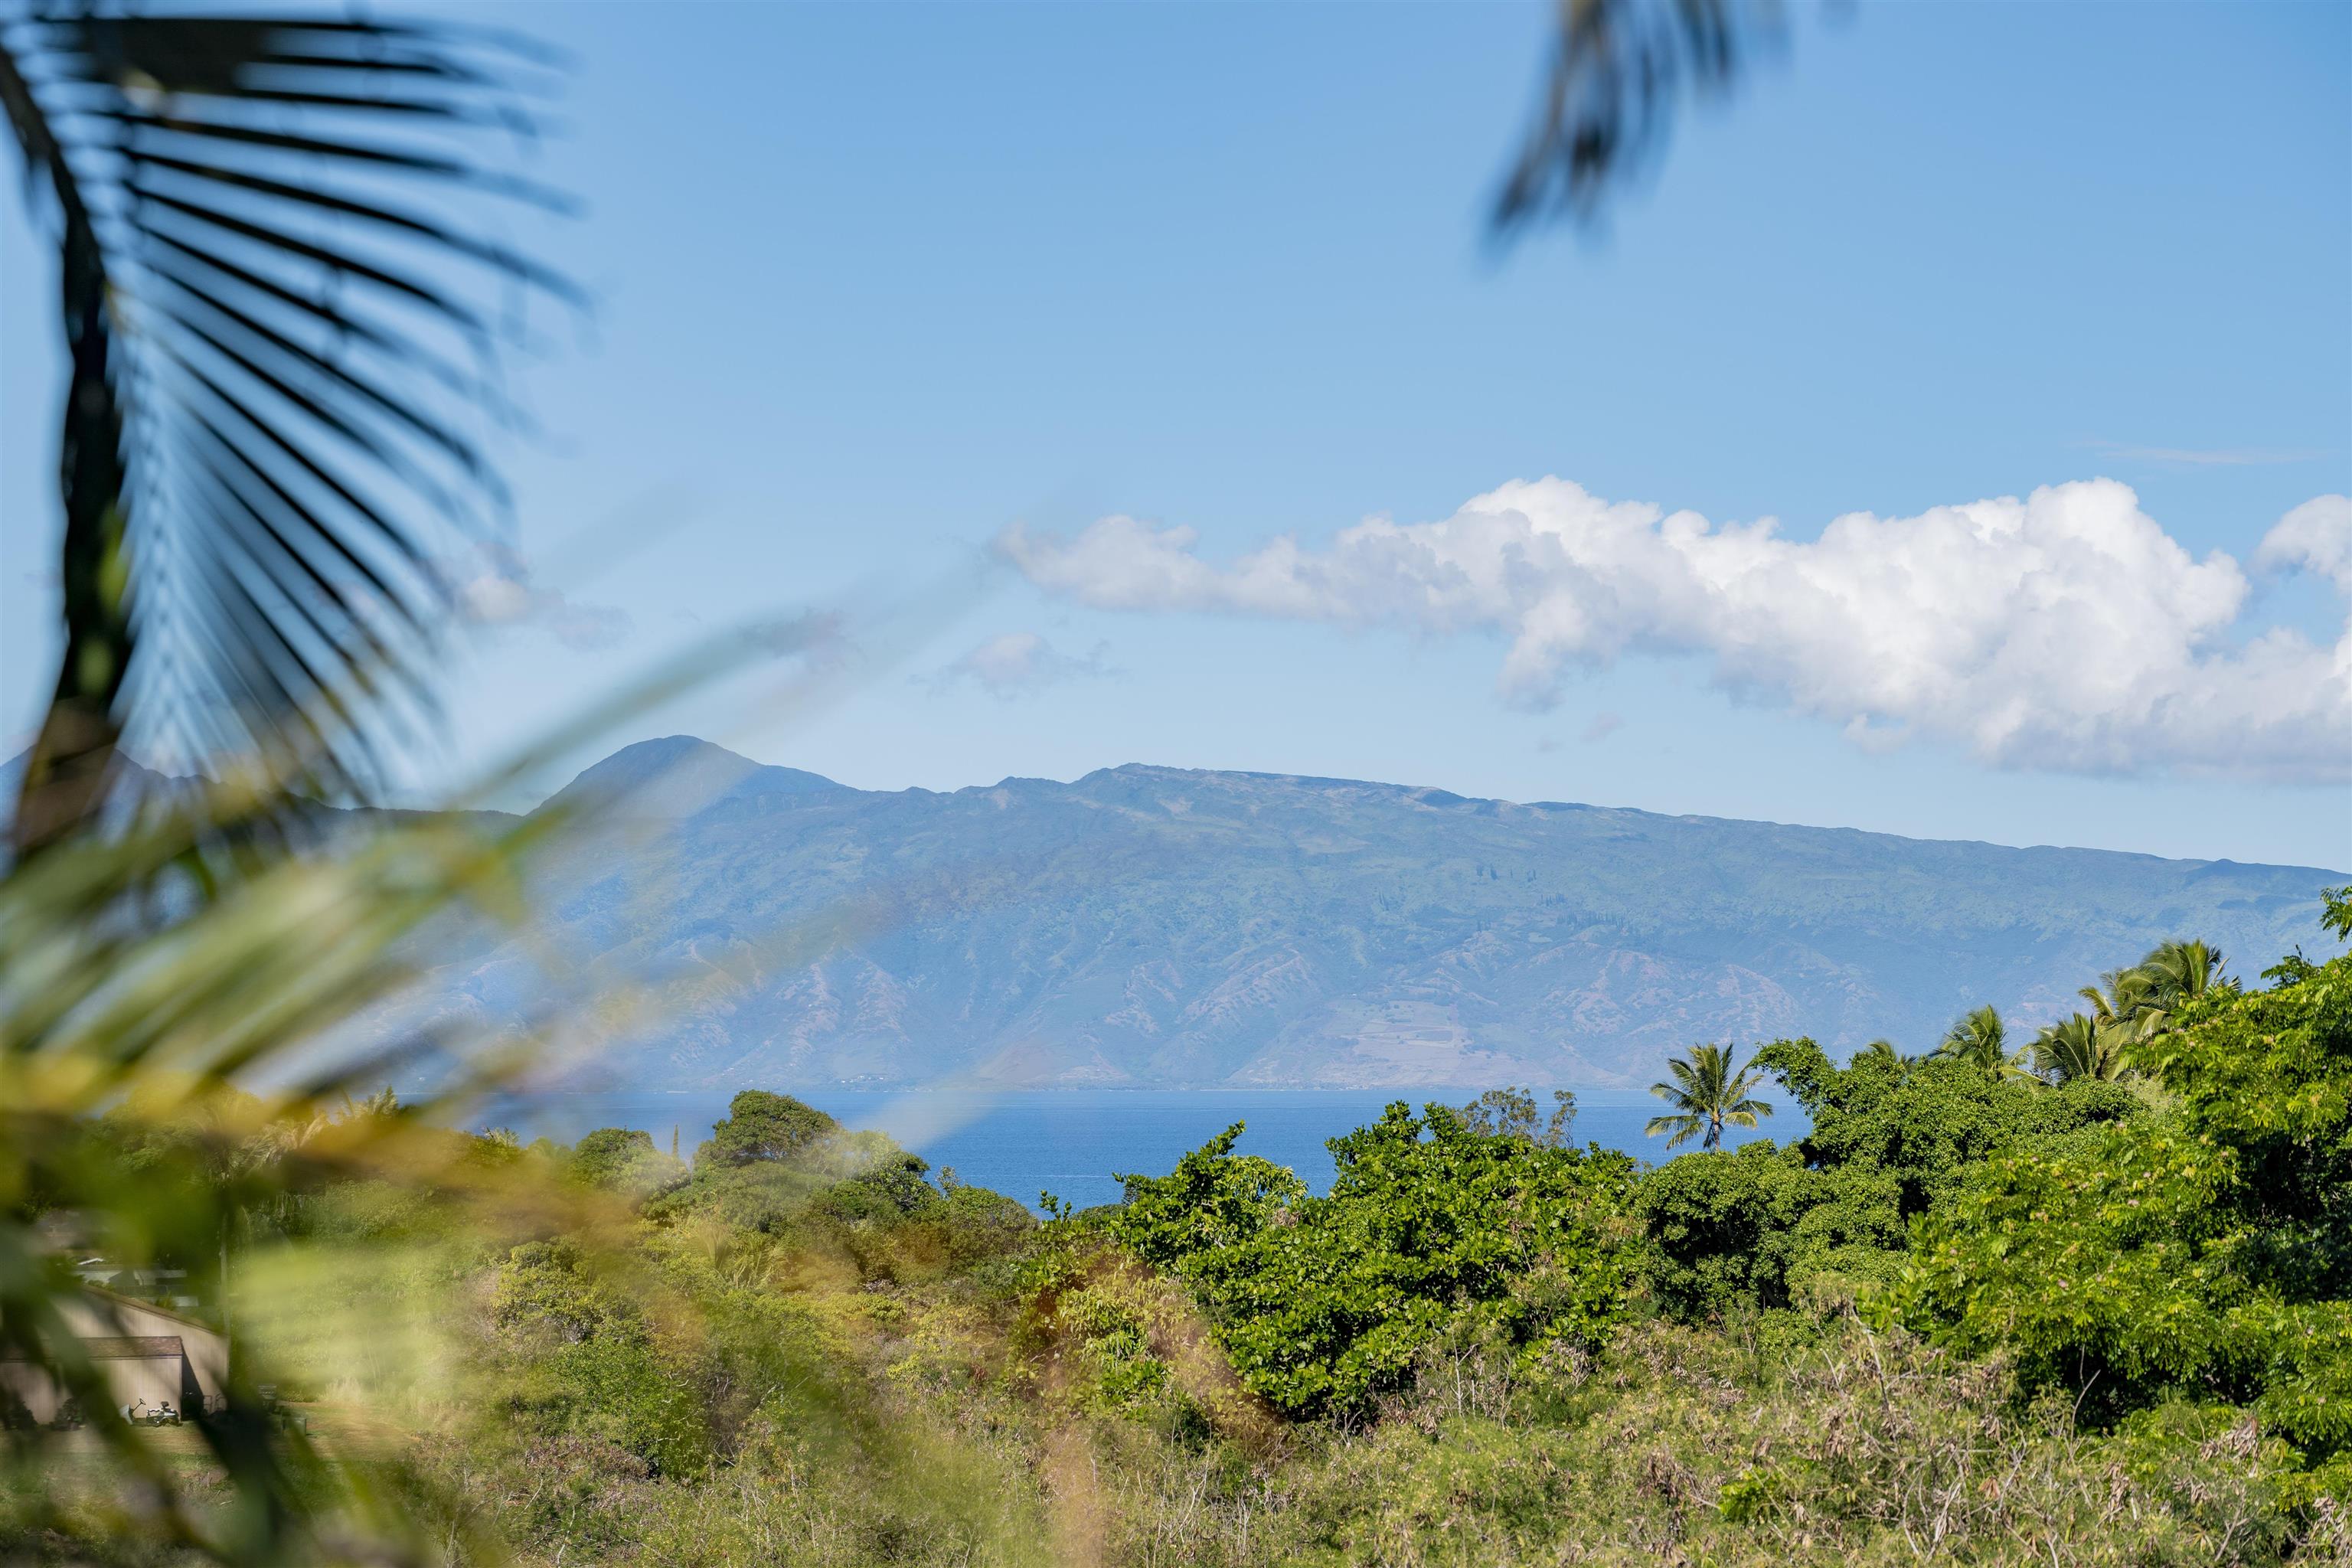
(147, 1354)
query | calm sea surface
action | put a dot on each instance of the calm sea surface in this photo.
(1074, 1143)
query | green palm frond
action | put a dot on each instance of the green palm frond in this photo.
(1684, 1127)
(1981, 1038)
(282, 370)
(121, 1103)
(2079, 1046)
(1709, 1092)
(2132, 1006)
(2173, 973)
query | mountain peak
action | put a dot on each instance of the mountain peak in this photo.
(678, 776)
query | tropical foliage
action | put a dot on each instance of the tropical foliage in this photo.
(281, 365)
(2198, 1253)
(1434, 1231)
(804, 1348)
(2128, 1006)
(1709, 1094)
(1979, 1039)
(1768, 1228)
(2084, 1318)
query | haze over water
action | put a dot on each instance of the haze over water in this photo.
(1074, 1143)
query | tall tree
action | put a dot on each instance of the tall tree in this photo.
(2118, 1000)
(763, 1126)
(2176, 973)
(280, 370)
(2078, 1048)
(1709, 1094)
(1979, 1037)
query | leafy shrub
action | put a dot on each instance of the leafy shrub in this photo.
(595, 1370)
(1766, 1228)
(1722, 1228)
(1214, 1198)
(1864, 1448)
(624, 1391)
(1431, 1230)
(540, 1291)
(624, 1160)
(2200, 1254)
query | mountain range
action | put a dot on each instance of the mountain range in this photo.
(1162, 927)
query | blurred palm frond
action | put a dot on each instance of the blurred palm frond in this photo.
(282, 372)
(1617, 73)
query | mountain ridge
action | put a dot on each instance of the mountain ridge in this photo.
(1438, 795)
(1152, 926)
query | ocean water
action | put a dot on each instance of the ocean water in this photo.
(1075, 1143)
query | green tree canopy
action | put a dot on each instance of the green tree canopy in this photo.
(763, 1126)
(624, 1158)
(1512, 1112)
(1889, 1140)
(2205, 1252)
(1431, 1230)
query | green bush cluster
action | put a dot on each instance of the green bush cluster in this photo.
(624, 1160)
(2201, 1253)
(1433, 1230)
(1767, 1227)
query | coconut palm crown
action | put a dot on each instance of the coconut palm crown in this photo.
(1709, 1094)
(1979, 1038)
(2079, 1047)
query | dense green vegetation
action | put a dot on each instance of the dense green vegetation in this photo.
(1977, 1313)
(1433, 1233)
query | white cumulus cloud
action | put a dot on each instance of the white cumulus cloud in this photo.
(2063, 631)
(2315, 537)
(497, 590)
(1015, 663)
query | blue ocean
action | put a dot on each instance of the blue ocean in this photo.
(1076, 1144)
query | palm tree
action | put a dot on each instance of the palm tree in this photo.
(1979, 1038)
(2175, 972)
(2134, 1004)
(1882, 1051)
(2119, 1001)
(2183, 969)
(1710, 1093)
(278, 369)
(2079, 1047)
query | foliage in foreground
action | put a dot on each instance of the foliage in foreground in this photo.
(1481, 1346)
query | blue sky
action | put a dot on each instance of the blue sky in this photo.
(878, 284)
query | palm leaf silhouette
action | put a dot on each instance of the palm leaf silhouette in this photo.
(281, 372)
(1618, 68)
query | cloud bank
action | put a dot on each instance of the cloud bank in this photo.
(2067, 631)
